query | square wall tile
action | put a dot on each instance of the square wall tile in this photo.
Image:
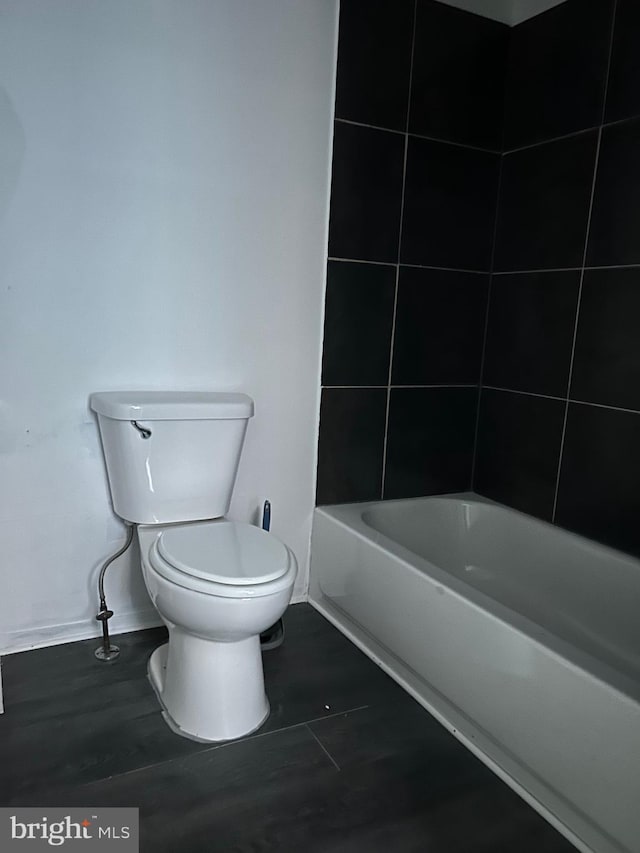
(557, 72)
(357, 323)
(374, 61)
(449, 206)
(366, 191)
(352, 424)
(440, 318)
(544, 204)
(518, 450)
(606, 366)
(598, 494)
(530, 330)
(429, 441)
(615, 221)
(623, 91)
(459, 65)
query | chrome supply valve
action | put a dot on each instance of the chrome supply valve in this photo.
(107, 651)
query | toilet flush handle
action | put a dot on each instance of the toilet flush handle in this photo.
(144, 432)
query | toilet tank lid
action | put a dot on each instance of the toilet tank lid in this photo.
(171, 405)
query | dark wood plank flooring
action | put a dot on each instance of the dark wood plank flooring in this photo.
(346, 762)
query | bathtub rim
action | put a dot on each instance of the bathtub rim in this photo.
(349, 517)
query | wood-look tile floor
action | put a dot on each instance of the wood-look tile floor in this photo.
(346, 762)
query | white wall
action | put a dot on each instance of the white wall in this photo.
(164, 170)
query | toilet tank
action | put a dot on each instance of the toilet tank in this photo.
(171, 456)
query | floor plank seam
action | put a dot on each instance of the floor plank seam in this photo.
(322, 747)
(405, 777)
(218, 746)
(326, 717)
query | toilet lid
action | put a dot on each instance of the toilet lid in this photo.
(224, 552)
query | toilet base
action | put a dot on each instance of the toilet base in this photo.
(209, 691)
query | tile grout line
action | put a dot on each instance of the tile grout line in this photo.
(322, 747)
(397, 282)
(605, 406)
(443, 269)
(573, 400)
(393, 336)
(532, 271)
(361, 261)
(605, 94)
(612, 267)
(433, 385)
(503, 133)
(566, 399)
(600, 126)
(506, 152)
(369, 126)
(391, 347)
(536, 271)
(409, 266)
(524, 393)
(476, 431)
(553, 139)
(593, 127)
(416, 135)
(584, 263)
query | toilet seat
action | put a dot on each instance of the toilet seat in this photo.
(225, 558)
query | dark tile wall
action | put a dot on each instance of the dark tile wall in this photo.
(557, 72)
(449, 205)
(439, 325)
(418, 128)
(544, 204)
(530, 331)
(458, 77)
(429, 441)
(430, 293)
(559, 415)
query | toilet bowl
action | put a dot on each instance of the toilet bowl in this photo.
(217, 585)
(172, 459)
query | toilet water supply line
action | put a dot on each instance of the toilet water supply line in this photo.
(269, 639)
(107, 651)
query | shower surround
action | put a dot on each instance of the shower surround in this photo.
(483, 272)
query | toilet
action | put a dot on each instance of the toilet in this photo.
(172, 459)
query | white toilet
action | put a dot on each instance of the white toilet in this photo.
(172, 459)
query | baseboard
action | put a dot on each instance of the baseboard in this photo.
(85, 629)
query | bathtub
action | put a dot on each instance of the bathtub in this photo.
(522, 639)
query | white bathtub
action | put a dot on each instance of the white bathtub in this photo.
(523, 639)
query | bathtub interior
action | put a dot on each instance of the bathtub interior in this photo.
(577, 590)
